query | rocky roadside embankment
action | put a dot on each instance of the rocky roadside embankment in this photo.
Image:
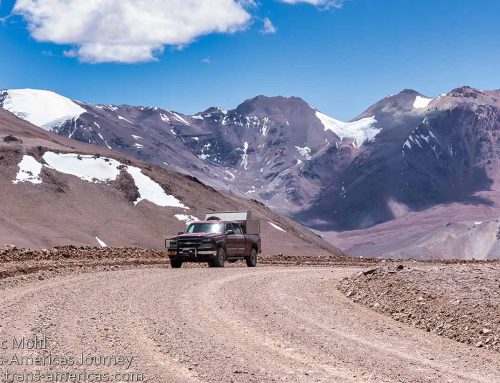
(15, 261)
(459, 301)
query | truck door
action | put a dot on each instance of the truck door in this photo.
(240, 240)
(231, 240)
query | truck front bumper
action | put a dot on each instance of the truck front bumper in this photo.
(192, 255)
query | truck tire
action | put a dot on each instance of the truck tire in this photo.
(175, 263)
(219, 259)
(252, 259)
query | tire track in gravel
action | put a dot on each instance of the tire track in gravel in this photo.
(266, 324)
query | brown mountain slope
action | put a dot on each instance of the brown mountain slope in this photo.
(62, 208)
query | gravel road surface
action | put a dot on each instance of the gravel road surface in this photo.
(268, 324)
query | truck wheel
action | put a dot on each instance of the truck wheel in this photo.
(252, 259)
(219, 259)
(175, 263)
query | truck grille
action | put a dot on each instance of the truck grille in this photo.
(189, 243)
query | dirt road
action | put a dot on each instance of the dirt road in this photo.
(268, 324)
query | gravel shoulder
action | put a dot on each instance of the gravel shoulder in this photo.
(236, 324)
(458, 301)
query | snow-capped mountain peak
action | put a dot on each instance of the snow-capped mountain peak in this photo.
(42, 108)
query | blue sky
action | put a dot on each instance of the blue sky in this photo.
(340, 60)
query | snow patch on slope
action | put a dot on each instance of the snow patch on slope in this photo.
(102, 138)
(244, 156)
(361, 130)
(100, 169)
(204, 156)
(179, 118)
(85, 167)
(265, 128)
(186, 218)
(101, 242)
(304, 152)
(421, 138)
(422, 102)
(277, 227)
(150, 191)
(29, 171)
(42, 108)
(231, 175)
(124, 119)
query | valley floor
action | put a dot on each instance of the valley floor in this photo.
(267, 324)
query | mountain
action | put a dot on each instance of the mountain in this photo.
(277, 150)
(42, 108)
(58, 191)
(406, 153)
(428, 152)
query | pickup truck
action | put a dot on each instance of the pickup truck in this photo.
(216, 240)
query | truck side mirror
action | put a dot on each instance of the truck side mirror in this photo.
(229, 232)
(180, 232)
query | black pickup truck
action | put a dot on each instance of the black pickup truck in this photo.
(215, 241)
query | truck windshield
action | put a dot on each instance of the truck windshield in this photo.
(204, 228)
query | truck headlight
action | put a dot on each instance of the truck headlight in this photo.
(207, 243)
(173, 244)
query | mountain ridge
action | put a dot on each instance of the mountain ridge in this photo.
(283, 152)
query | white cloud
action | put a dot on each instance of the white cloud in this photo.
(248, 3)
(206, 60)
(129, 31)
(328, 4)
(268, 27)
